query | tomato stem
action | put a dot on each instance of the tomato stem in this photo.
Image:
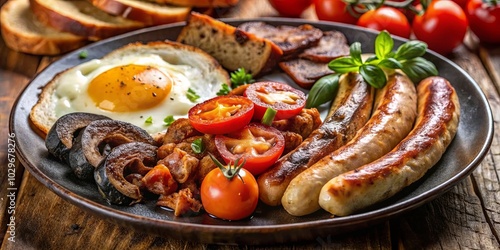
(229, 171)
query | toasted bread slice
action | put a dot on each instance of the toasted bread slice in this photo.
(232, 47)
(332, 45)
(43, 115)
(145, 12)
(200, 3)
(292, 40)
(81, 18)
(22, 32)
(305, 72)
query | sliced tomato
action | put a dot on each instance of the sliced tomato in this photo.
(285, 99)
(258, 144)
(222, 114)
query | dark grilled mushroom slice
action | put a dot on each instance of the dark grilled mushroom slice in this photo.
(61, 135)
(126, 159)
(97, 139)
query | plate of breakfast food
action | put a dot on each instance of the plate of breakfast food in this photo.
(253, 131)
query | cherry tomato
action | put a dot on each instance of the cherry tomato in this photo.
(386, 18)
(229, 196)
(222, 114)
(442, 26)
(258, 144)
(462, 3)
(290, 8)
(333, 10)
(484, 20)
(285, 99)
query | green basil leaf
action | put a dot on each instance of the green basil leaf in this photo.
(390, 63)
(419, 68)
(343, 65)
(410, 50)
(372, 60)
(373, 75)
(383, 44)
(323, 90)
(355, 51)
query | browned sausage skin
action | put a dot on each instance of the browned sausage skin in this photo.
(393, 117)
(436, 126)
(349, 113)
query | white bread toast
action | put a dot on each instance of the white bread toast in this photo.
(22, 32)
(43, 114)
(81, 18)
(232, 47)
(149, 13)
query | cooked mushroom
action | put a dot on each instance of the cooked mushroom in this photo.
(61, 135)
(97, 139)
(123, 160)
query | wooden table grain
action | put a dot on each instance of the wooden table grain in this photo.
(466, 217)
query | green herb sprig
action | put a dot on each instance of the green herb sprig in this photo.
(374, 70)
(240, 77)
(191, 95)
(225, 89)
(168, 120)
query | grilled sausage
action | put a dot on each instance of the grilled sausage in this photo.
(436, 126)
(393, 118)
(350, 111)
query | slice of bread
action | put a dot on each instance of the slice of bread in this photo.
(81, 18)
(22, 32)
(232, 47)
(145, 12)
(43, 114)
(199, 3)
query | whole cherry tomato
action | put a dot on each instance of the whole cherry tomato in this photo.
(386, 18)
(285, 99)
(222, 114)
(229, 193)
(462, 3)
(484, 20)
(290, 8)
(442, 26)
(333, 10)
(258, 144)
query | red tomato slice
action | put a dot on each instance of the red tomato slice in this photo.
(286, 100)
(258, 144)
(222, 114)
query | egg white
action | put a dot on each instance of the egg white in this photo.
(71, 92)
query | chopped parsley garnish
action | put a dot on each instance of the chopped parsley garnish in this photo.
(198, 146)
(241, 77)
(168, 120)
(224, 90)
(192, 96)
(83, 54)
(149, 120)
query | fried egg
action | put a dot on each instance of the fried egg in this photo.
(140, 84)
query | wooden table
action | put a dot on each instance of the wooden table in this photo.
(468, 216)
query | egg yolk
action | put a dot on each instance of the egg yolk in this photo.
(129, 88)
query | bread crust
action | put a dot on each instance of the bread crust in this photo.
(22, 32)
(145, 12)
(200, 3)
(89, 27)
